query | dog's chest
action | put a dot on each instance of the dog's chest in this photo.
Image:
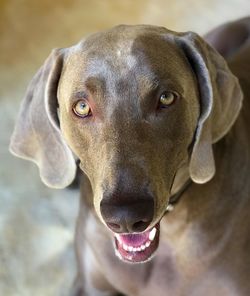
(164, 276)
(156, 277)
(179, 269)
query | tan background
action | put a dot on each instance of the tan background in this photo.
(37, 223)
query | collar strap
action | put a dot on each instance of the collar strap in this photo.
(174, 199)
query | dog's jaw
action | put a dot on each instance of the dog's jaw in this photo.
(137, 247)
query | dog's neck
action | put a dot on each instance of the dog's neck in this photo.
(181, 183)
(175, 197)
(181, 177)
(217, 215)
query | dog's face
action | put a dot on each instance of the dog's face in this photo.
(129, 112)
(134, 106)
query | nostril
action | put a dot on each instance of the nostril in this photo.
(127, 217)
(114, 226)
(140, 226)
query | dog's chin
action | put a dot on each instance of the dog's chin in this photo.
(137, 247)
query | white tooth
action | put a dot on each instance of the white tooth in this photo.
(118, 254)
(147, 244)
(125, 247)
(138, 249)
(130, 249)
(152, 234)
(143, 247)
(118, 238)
(134, 249)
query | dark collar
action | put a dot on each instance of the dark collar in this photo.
(175, 198)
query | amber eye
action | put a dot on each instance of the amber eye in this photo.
(167, 98)
(81, 109)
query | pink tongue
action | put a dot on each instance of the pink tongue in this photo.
(134, 239)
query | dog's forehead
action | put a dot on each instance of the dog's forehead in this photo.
(122, 47)
(123, 56)
(121, 36)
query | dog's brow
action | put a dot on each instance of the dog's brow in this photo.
(94, 84)
(153, 83)
(149, 82)
(91, 85)
(80, 95)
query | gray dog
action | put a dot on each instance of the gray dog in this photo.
(154, 118)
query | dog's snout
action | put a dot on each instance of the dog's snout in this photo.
(127, 216)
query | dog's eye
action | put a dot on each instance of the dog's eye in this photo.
(167, 98)
(81, 109)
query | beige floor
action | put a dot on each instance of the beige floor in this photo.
(37, 223)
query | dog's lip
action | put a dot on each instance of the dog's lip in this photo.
(137, 247)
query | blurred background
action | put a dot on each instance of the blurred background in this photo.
(37, 223)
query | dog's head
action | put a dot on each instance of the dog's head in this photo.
(135, 105)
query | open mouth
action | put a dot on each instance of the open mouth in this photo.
(137, 247)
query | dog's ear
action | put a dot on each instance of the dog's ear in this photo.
(220, 102)
(37, 136)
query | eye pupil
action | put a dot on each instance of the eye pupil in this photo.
(167, 99)
(81, 109)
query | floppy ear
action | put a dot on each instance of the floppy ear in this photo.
(220, 102)
(37, 136)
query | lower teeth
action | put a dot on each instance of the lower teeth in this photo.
(140, 248)
(136, 249)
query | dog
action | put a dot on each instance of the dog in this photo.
(155, 120)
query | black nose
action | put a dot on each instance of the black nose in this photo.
(126, 214)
